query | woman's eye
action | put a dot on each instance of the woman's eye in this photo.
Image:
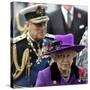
(60, 55)
(68, 55)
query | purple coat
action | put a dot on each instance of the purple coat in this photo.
(44, 79)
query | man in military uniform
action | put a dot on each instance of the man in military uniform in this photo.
(27, 49)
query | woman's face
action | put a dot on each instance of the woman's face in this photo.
(37, 31)
(64, 60)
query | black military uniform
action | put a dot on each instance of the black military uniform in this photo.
(26, 61)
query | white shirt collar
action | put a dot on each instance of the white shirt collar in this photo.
(64, 12)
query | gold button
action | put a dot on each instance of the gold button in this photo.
(30, 50)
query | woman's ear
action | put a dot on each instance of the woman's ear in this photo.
(75, 54)
(53, 56)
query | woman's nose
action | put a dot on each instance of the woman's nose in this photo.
(65, 58)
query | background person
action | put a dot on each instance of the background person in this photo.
(68, 19)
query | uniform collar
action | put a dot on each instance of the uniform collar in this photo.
(39, 43)
(29, 36)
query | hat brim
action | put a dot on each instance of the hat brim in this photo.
(76, 48)
(40, 19)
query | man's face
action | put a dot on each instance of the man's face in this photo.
(37, 31)
(64, 60)
(68, 7)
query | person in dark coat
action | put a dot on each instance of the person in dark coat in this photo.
(62, 71)
(68, 19)
(27, 49)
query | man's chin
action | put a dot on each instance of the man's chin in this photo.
(40, 38)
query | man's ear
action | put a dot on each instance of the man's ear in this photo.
(26, 25)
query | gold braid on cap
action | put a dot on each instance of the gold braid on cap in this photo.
(19, 69)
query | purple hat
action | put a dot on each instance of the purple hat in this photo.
(64, 42)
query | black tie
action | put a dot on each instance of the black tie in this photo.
(68, 19)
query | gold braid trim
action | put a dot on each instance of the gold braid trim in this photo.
(15, 57)
(20, 28)
(24, 60)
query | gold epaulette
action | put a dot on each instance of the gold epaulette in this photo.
(18, 38)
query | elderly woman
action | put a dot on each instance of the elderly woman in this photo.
(62, 71)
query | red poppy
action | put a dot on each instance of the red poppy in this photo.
(79, 15)
(50, 47)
